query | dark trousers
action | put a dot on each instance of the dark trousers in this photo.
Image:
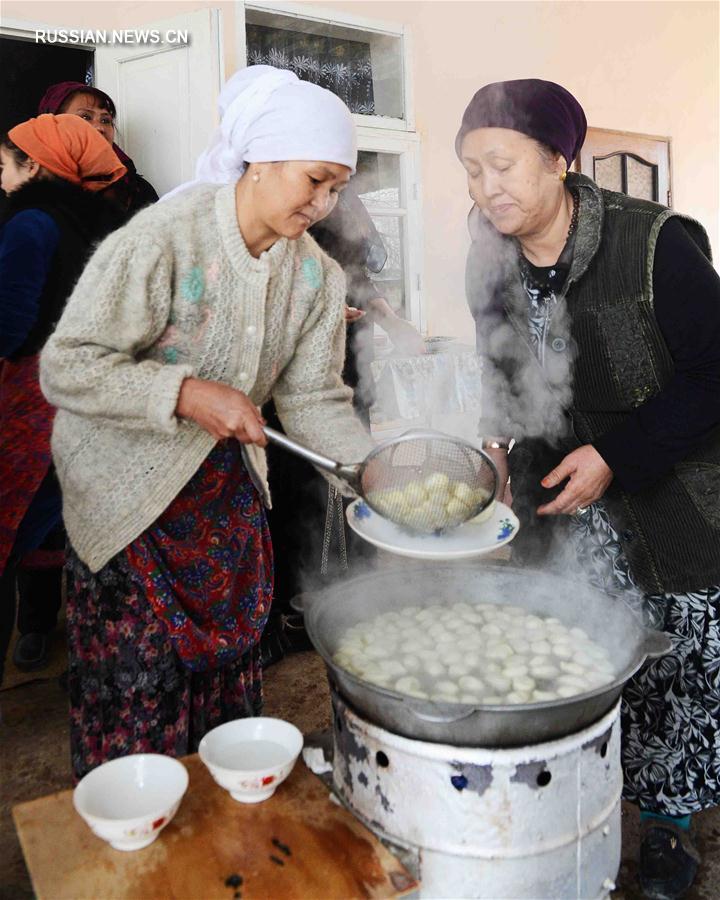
(40, 592)
(40, 596)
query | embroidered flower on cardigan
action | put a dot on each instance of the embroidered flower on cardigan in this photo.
(312, 272)
(192, 286)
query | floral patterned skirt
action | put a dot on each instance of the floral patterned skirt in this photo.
(26, 420)
(671, 708)
(163, 640)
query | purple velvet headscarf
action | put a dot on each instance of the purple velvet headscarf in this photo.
(57, 94)
(540, 109)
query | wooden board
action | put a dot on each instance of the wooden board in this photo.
(328, 853)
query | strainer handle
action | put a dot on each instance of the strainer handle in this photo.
(347, 473)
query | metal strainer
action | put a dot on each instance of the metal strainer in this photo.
(424, 481)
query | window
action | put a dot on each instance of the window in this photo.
(363, 66)
(364, 63)
(634, 164)
(378, 185)
(387, 182)
(627, 173)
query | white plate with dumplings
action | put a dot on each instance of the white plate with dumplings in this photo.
(494, 528)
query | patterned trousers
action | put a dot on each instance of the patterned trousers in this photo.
(671, 707)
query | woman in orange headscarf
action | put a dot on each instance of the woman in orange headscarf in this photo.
(53, 170)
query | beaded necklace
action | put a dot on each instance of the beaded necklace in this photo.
(576, 211)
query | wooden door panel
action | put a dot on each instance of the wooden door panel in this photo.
(635, 164)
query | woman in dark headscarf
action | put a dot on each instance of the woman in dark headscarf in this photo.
(599, 317)
(132, 192)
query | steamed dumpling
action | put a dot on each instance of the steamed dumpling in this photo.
(474, 653)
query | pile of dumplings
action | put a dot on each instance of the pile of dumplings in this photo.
(432, 504)
(484, 654)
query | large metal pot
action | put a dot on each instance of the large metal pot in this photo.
(609, 622)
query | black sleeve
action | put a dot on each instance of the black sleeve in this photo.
(350, 253)
(662, 431)
(144, 193)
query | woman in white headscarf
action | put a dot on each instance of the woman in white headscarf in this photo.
(183, 323)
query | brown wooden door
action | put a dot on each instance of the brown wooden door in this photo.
(635, 164)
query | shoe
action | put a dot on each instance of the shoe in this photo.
(668, 861)
(273, 644)
(31, 651)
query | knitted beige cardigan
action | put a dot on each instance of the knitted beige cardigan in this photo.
(176, 293)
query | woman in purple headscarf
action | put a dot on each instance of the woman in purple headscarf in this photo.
(598, 316)
(133, 192)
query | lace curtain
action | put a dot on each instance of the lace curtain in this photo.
(343, 67)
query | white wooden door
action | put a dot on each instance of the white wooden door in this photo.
(166, 96)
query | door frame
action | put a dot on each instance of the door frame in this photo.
(21, 29)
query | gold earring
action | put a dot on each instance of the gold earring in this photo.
(563, 175)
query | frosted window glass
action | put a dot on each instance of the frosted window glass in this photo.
(608, 172)
(640, 180)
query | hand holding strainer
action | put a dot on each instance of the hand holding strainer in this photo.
(423, 480)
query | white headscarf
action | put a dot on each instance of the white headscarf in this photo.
(270, 115)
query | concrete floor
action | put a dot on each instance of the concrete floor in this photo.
(34, 762)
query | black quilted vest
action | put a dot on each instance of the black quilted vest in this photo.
(605, 357)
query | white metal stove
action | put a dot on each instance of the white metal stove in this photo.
(541, 821)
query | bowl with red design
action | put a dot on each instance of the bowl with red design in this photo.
(251, 757)
(128, 801)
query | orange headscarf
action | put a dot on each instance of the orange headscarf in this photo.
(69, 147)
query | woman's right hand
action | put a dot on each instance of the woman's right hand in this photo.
(221, 410)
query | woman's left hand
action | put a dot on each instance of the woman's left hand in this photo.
(589, 476)
(403, 334)
(406, 338)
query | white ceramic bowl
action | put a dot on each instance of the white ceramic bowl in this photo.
(251, 757)
(128, 801)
